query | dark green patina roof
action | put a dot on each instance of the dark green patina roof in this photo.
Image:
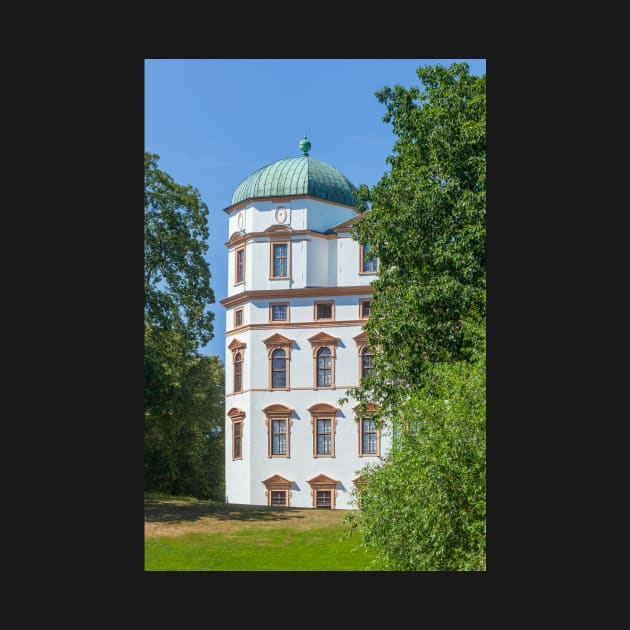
(301, 175)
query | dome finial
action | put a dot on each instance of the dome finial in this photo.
(305, 145)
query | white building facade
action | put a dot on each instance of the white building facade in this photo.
(299, 290)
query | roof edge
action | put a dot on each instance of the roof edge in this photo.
(245, 202)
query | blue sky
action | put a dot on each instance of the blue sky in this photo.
(215, 121)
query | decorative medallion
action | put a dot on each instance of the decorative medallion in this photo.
(240, 220)
(281, 214)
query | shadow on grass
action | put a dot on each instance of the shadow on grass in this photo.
(164, 512)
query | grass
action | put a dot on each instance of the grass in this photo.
(186, 534)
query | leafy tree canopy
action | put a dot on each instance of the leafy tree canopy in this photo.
(424, 509)
(177, 288)
(427, 226)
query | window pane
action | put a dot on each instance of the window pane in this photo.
(323, 499)
(279, 379)
(324, 378)
(240, 259)
(280, 260)
(237, 439)
(279, 444)
(369, 262)
(279, 312)
(324, 363)
(324, 311)
(278, 497)
(366, 363)
(323, 444)
(323, 437)
(369, 443)
(365, 309)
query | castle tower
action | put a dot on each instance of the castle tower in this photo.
(298, 296)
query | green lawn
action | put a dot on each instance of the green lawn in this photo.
(188, 535)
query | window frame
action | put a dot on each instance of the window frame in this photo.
(273, 371)
(323, 491)
(362, 250)
(330, 370)
(363, 301)
(282, 433)
(319, 341)
(323, 483)
(319, 434)
(237, 347)
(238, 420)
(277, 483)
(323, 411)
(273, 343)
(242, 313)
(317, 303)
(272, 244)
(360, 419)
(237, 355)
(368, 411)
(285, 503)
(365, 351)
(288, 312)
(275, 413)
(236, 266)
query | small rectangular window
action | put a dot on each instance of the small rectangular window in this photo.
(279, 312)
(278, 497)
(324, 310)
(323, 499)
(364, 308)
(238, 317)
(369, 262)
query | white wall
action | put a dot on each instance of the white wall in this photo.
(314, 262)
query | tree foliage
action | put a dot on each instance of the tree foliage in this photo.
(183, 439)
(183, 391)
(177, 288)
(425, 508)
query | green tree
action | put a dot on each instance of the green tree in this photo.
(427, 226)
(177, 288)
(183, 391)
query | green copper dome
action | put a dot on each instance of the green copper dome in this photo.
(301, 175)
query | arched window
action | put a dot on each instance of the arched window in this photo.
(324, 368)
(324, 348)
(238, 372)
(366, 362)
(279, 353)
(278, 369)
